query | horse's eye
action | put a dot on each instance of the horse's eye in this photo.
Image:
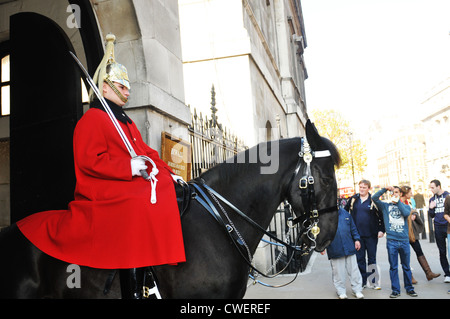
(326, 181)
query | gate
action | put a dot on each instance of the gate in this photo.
(211, 142)
(279, 254)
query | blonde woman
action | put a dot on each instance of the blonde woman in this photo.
(416, 226)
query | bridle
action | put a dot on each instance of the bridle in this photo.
(310, 216)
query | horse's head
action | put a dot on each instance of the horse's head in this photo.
(313, 190)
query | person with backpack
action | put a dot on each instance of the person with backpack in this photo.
(370, 226)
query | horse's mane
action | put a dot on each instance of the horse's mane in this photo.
(233, 166)
(241, 163)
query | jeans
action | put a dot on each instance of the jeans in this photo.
(395, 249)
(448, 244)
(440, 233)
(368, 244)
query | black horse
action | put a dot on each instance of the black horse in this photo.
(214, 267)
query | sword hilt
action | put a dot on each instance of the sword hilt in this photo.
(144, 173)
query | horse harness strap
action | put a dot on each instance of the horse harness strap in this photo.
(193, 190)
(231, 230)
(211, 209)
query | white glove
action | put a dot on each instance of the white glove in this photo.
(137, 164)
(176, 178)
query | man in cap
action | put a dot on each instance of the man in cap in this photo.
(118, 219)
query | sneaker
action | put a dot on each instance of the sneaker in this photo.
(394, 294)
(374, 287)
(412, 293)
(358, 295)
(447, 279)
(342, 296)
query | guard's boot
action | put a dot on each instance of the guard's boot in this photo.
(426, 268)
(131, 283)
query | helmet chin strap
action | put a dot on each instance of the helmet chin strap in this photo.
(116, 90)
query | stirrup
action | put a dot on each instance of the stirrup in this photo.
(149, 280)
(146, 292)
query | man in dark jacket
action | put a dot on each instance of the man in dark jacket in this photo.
(369, 223)
(436, 211)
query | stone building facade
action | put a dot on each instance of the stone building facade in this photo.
(252, 52)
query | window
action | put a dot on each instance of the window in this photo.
(5, 85)
(84, 93)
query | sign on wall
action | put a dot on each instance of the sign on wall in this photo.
(177, 154)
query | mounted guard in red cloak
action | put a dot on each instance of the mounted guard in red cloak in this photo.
(118, 219)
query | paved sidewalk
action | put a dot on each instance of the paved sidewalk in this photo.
(316, 283)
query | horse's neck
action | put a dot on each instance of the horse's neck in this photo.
(255, 194)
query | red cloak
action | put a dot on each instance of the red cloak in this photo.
(111, 223)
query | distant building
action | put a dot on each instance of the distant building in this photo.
(402, 161)
(415, 150)
(437, 133)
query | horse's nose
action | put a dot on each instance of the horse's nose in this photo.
(323, 245)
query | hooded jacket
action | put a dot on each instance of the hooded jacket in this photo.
(343, 243)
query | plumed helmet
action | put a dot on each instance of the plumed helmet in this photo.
(109, 70)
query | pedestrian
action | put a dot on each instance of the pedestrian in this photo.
(447, 218)
(419, 199)
(370, 226)
(436, 211)
(415, 227)
(118, 219)
(420, 205)
(395, 217)
(341, 253)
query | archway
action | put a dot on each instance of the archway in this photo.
(45, 106)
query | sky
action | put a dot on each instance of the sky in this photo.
(375, 58)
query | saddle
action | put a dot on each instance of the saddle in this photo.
(184, 194)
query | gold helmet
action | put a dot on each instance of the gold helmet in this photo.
(110, 71)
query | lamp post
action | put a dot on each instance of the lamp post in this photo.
(350, 136)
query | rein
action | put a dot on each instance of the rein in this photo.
(231, 230)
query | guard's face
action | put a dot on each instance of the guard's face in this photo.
(112, 96)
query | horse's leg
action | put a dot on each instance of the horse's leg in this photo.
(62, 280)
(213, 268)
(18, 260)
(26, 272)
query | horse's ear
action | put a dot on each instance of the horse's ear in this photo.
(314, 139)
